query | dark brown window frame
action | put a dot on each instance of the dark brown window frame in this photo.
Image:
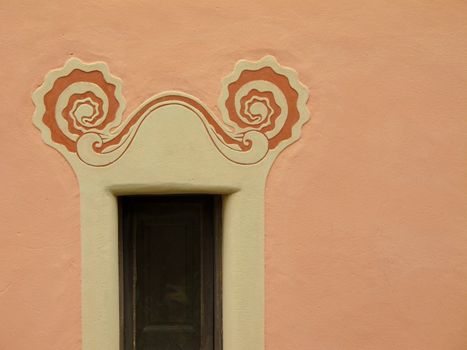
(127, 308)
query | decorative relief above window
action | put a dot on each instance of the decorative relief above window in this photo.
(79, 110)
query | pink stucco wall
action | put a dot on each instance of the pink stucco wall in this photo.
(366, 225)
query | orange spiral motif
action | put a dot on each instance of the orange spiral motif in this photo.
(263, 99)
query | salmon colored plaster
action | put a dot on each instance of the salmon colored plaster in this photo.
(366, 225)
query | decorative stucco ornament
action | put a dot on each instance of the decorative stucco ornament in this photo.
(79, 110)
(172, 144)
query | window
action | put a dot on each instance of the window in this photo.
(170, 272)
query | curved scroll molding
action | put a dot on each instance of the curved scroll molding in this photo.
(79, 110)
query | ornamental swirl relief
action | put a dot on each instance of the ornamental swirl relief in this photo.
(79, 109)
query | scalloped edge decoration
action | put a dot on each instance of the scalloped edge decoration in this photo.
(79, 110)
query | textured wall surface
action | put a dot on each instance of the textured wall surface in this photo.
(366, 231)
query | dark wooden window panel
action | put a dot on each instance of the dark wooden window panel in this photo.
(170, 272)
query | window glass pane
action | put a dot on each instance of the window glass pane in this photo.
(167, 291)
